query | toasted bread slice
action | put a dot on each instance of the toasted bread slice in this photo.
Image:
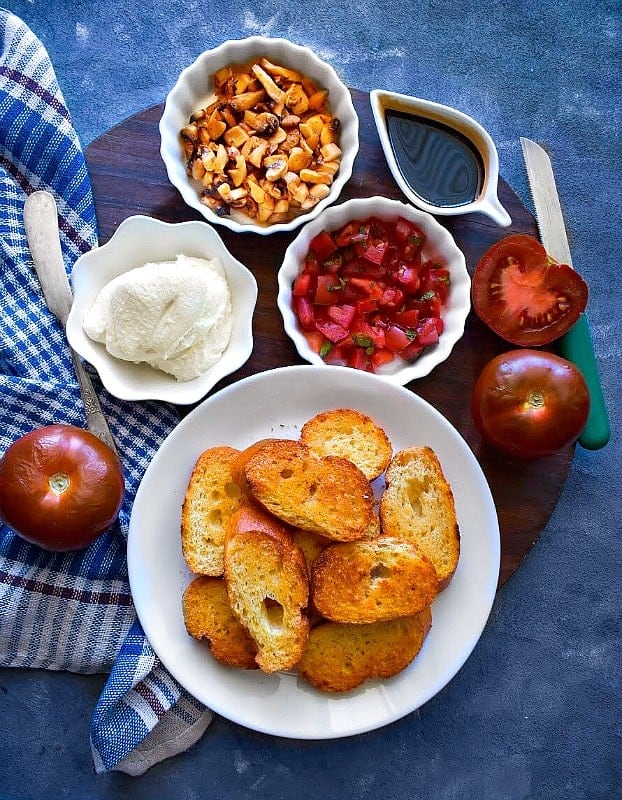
(374, 530)
(211, 498)
(339, 656)
(252, 517)
(418, 505)
(349, 434)
(268, 588)
(208, 616)
(311, 544)
(239, 463)
(370, 581)
(324, 494)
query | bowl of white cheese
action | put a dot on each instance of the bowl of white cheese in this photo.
(162, 311)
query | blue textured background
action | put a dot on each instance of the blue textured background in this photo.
(535, 714)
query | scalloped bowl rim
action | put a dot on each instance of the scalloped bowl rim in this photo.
(439, 241)
(183, 99)
(137, 240)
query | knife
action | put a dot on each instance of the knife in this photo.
(576, 345)
(41, 224)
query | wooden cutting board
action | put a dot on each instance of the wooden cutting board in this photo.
(128, 177)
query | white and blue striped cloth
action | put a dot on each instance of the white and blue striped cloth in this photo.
(71, 611)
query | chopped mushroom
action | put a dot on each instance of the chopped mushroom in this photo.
(267, 145)
(264, 123)
(272, 90)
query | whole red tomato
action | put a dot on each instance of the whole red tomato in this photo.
(60, 487)
(523, 295)
(530, 403)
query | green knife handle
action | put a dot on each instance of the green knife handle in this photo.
(576, 346)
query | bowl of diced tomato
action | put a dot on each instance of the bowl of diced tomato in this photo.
(377, 285)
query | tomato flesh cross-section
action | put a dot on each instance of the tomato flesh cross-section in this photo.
(523, 295)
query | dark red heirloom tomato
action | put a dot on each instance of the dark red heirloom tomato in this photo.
(60, 487)
(530, 403)
(523, 295)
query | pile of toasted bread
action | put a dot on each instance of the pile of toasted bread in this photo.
(299, 563)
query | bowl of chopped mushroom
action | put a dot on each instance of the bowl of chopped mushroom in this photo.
(259, 135)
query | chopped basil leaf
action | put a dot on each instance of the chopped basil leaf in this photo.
(365, 342)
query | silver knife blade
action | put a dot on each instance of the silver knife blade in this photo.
(549, 213)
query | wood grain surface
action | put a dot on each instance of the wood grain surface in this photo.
(128, 177)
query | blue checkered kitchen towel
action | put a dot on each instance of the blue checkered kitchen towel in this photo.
(71, 611)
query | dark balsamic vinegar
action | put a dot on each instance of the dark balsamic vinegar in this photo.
(440, 165)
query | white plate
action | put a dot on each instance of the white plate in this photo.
(276, 403)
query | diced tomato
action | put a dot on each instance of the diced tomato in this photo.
(311, 263)
(381, 356)
(303, 284)
(428, 305)
(333, 354)
(358, 358)
(342, 315)
(327, 289)
(428, 332)
(323, 245)
(409, 237)
(392, 297)
(353, 267)
(413, 351)
(333, 263)
(435, 279)
(412, 248)
(315, 340)
(368, 286)
(304, 312)
(397, 339)
(352, 233)
(375, 251)
(350, 294)
(362, 331)
(332, 330)
(407, 319)
(377, 272)
(403, 229)
(367, 306)
(392, 261)
(431, 305)
(408, 277)
(364, 296)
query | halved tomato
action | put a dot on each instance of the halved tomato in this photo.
(525, 296)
